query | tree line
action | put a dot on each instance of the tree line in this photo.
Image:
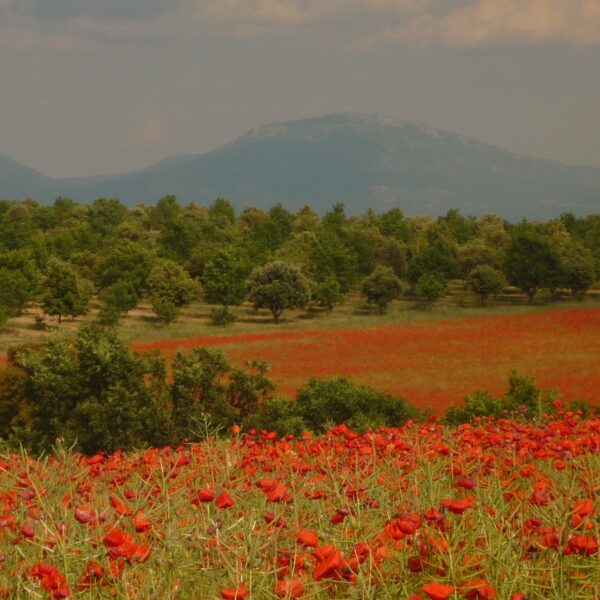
(61, 255)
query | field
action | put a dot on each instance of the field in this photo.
(501, 510)
(432, 362)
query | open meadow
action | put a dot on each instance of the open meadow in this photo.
(434, 362)
(498, 509)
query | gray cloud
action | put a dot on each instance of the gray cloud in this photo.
(97, 9)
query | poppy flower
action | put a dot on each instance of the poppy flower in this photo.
(238, 593)
(292, 588)
(438, 591)
(458, 507)
(308, 539)
(477, 589)
(327, 567)
(224, 501)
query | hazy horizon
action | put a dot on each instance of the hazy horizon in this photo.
(95, 87)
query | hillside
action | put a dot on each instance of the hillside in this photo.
(363, 161)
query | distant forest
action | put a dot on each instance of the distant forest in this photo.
(61, 255)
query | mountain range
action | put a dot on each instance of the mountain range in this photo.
(364, 161)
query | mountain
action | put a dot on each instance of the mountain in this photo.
(18, 181)
(363, 161)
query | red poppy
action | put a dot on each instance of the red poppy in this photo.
(238, 593)
(438, 591)
(308, 539)
(224, 501)
(458, 507)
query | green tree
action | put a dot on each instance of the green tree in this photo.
(224, 279)
(531, 263)
(381, 287)
(579, 269)
(94, 392)
(431, 287)
(278, 286)
(485, 281)
(205, 385)
(65, 293)
(327, 293)
(171, 288)
(437, 258)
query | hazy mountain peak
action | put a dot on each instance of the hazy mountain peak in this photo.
(364, 161)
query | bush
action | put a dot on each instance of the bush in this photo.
(93, 392)
(522, 399)
(431, 287)
(221, 316)
(339, 400)
(206, 386)
(381, 287)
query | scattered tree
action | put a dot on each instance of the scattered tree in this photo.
(485, 281)
(531, 263)
(65, 293)
(171, 288)
(278, 286)
(431, 287)
(381, 287)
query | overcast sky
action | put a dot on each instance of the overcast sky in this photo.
(99, 86)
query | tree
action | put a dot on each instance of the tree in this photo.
(65, 293)
(278, 286)
(579, 269)
(381, 287)
(327, 293)
(205, 384)
(531, 263)
(171, 288)
(14, 293)
(431, 287)
(94, 392)
(485, 281)
(223, 279)
(437, 258)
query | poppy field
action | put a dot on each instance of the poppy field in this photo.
(497, 509)
(432, 363)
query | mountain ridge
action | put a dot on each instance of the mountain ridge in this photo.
(365, 161)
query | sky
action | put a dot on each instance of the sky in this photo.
(103, 86)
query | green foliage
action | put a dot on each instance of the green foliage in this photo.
(206, 385)
(224, 279)
(436, 259)
(338, 400)
(431, 287)
(531, 262)
(522, 399)
(65, 293)
(579, 269)
(324, 402)
(171, 288)
(485, 281)
(278, 286)
(92, 392)
(164, 309)
(15, 409)
(381, 287)
(221, 317)
(327, 293)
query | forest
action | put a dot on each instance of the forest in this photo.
(61, 256)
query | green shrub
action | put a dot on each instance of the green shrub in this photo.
(338, 400)
(522, 399)
(221, 317)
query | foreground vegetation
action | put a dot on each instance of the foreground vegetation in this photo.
(500, 508)
(94, 393)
